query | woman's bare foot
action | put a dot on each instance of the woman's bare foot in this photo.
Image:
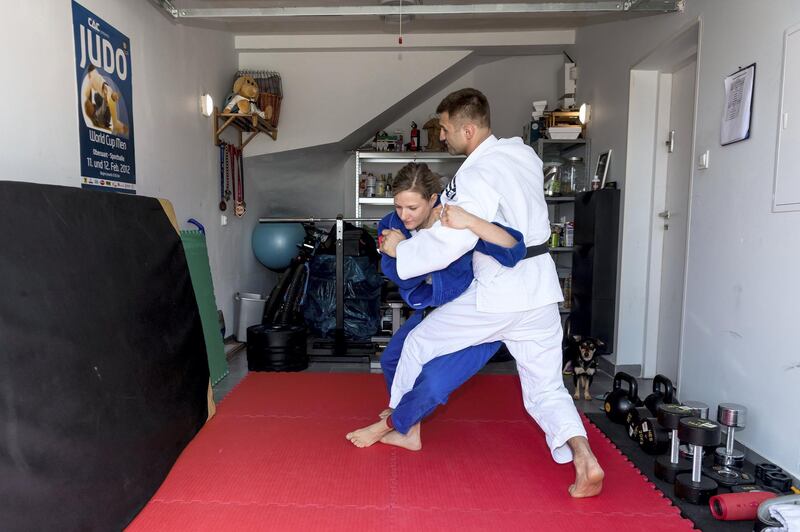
(364, 437)
(588, 473)
(386, 413)
(411, 441)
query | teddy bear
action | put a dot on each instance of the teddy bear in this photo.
(245, 96)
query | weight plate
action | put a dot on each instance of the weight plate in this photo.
(695, 492)
(667, 471)
(698, 431)
(669, 415)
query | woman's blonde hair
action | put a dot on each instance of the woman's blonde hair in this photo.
(417, 177)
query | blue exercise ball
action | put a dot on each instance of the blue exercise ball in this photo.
(275, 244)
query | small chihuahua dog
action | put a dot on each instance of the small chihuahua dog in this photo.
(582, 352)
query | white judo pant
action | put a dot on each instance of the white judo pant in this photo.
(534, 339)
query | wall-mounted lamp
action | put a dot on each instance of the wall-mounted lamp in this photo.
(206, 104)
(584, 113)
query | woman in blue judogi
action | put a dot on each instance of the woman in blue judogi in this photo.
(416, 191)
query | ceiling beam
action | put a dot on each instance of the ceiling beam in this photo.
(657, 6)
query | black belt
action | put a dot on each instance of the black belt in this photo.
(535, 251)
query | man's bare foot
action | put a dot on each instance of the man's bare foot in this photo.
(588, 473)
(364, 437)
(386, 413)
(411, 441)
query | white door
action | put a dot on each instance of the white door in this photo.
(673, 221)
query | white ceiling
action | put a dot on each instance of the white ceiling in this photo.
(244, 22)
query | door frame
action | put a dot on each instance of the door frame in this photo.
(650, 89)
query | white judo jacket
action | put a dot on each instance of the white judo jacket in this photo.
(501, 181)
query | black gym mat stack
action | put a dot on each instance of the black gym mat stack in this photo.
(700, 515)
(104, 367)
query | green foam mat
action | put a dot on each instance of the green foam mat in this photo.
(194, 246)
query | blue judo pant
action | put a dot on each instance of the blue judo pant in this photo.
(439, 377)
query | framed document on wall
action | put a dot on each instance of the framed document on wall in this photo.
(737, 113)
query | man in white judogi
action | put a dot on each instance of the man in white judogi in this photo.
(501, 180)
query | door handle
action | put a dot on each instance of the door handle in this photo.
(665, 214)
(671, 142)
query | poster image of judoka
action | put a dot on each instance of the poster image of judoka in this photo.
(104, 108)
(105, 103)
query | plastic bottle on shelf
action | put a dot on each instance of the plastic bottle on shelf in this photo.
(380, 186)
(595, 183)
(370, 189)
(387, 189)
(569, 232)
(362, 184)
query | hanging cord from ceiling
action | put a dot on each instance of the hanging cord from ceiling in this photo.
(400, 38)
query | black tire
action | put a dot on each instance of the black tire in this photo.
(284, 315)
(275, 299)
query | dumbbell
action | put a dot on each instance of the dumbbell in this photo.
(732, 416)
(698, 433)
(699, 410)
(619, 401)
(663, 393)
(668, 467)
(633, 419)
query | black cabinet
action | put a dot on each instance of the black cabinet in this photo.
(594, 264)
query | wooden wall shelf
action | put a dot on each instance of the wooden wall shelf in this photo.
(251, 123)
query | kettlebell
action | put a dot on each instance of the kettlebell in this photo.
(618, 401)
(659, 396)
(632, 420)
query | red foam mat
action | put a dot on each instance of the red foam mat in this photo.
(275, 458)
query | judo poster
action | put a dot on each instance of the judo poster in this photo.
(105, 103)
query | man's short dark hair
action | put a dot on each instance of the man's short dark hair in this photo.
(468, 104)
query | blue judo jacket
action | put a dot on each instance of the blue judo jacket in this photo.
(449, 283)
(444, 374)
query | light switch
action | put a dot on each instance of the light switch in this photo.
(703, 160)
(223, 220)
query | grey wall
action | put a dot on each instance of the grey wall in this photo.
(510, 84)
(171, 66)
(319, 181)
(739, 314)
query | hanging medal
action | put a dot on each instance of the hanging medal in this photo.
(240, 204)
(223, 182)
(227, 175)
(229, 151)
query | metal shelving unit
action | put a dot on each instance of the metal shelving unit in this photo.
(562, 255)
(389, 157)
